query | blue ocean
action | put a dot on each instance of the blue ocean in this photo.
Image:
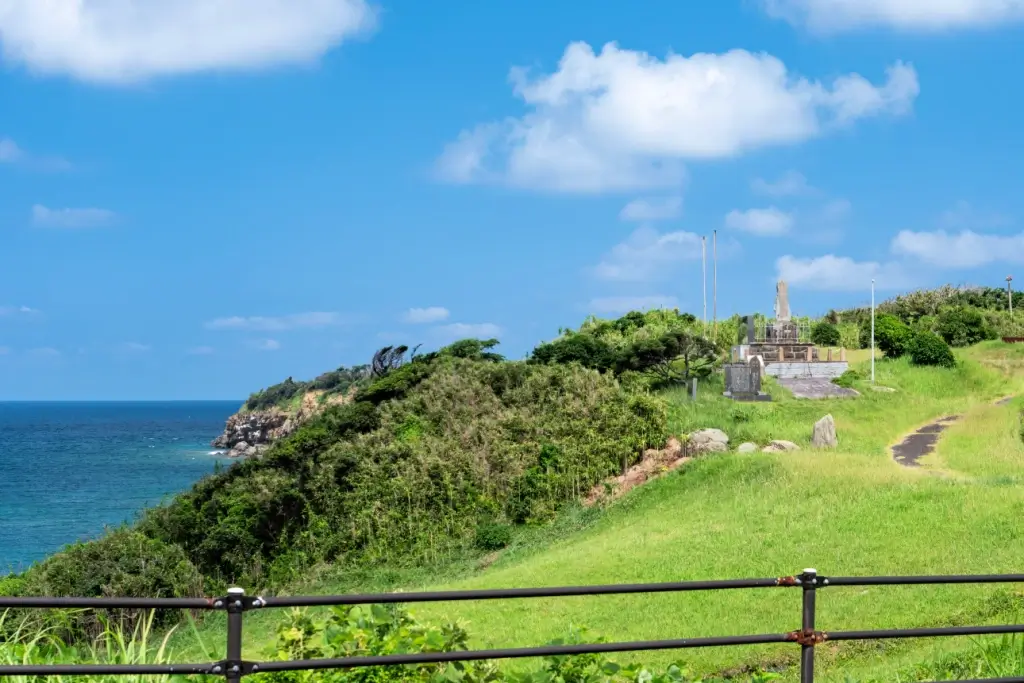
(67, 470)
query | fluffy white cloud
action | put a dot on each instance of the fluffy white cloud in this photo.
(966, 249)
(622, 119)
(269, 323)
(652, 209)
(764, 222)
(648, 255)
(624, 304)
(119, 41)
(431, 314)
(467, 330)
(789, 183)
(70, 218)
(840, 274)
(926, 15)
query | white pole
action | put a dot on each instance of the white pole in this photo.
(872, 330)
(704, 276)
(714, 295)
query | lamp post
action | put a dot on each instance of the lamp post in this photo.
(872, 330)
(1009, 292)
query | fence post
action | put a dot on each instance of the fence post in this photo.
(236, 609)
(809, 581)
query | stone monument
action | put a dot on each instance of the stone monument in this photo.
(783, 330)
(782, 301)
(743, 381)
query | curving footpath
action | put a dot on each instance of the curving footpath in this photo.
(912, 448)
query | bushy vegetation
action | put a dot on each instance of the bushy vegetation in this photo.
(413, 467)
(892, 335)
(962, 326)
(668, 347)
(928, 348)
(847, 379)
(334, 382)
(825, 333)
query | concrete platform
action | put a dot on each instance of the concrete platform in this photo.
(815, 388)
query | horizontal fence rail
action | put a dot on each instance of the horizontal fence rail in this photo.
(233, 667)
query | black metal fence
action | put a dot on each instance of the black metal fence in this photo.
(233, 667)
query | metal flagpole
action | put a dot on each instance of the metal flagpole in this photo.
(704, 276)
(872, 330)
(714, 289)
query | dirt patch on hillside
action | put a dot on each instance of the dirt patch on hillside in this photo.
(653, 464)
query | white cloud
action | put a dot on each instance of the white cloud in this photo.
(624, 304)
(840, 274)
(652, 209)
(828, 16)
(11, 153)
(266, 345)
(70, 218)
(431, 314)
(134, 347)
(764, 222)
(648, 255)
(789, 184)
(622, 119)
(470, 330)
(124, 41)
(266, 324)
(201, 350)
(17, 310)
(966, 249)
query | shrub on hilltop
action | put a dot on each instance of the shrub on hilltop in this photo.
(825, 334)
(928, 348)
(892, 335)
(962, 326)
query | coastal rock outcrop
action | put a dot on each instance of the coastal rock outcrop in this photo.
(253, 429)
(249, 432)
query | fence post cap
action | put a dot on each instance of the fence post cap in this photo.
(236, 591)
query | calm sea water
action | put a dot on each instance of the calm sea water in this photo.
(69, 469)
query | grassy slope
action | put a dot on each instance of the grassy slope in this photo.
(849, 512)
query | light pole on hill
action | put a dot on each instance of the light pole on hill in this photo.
(872, 330)
(1009, 292)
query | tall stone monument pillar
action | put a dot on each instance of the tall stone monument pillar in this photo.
(782, 302)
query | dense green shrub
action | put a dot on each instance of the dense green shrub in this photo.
(849, 335)
(124, 563)
(963, 326)
(673, 356)
(928, 348)
(847, 379)
(825, 334)
(493, 536)
(387, 630)
(585, 349)
(472, 441)
(892, 335)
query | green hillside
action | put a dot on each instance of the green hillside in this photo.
(458, 468)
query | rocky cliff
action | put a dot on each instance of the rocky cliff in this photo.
(250, 432)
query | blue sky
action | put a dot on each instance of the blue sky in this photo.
(201, 197)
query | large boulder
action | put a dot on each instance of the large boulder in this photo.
(824, 435)
(779, 446)
(709, 441)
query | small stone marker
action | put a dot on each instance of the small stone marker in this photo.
(824, 435)
(693, 389)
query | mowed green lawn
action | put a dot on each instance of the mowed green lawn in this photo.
(848, 512)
